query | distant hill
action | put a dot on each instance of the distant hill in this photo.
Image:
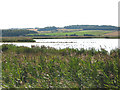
(91, 27)
(82, 27)
(64, 31)
(48, 29)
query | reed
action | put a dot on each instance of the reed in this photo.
(46, 67)
(31, 39)
(16, 39)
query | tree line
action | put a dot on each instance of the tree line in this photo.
(84, 27)
(21, 32)
(48, 29)
(91, 27)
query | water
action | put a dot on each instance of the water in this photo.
(107, 44)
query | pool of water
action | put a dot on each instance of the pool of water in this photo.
(107, 44)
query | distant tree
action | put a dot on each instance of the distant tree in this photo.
(91, 27)
(22, 32)
(88, 35)
(73, 35)
(66, 35)
(47, 28)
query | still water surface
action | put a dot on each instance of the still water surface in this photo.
(107, 44)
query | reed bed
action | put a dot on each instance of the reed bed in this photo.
(46, 67)
(31, 39)
(16, 39)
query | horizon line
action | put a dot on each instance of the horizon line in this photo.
(54, 26)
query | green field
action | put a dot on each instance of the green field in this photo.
(79, 33)
(45, 67)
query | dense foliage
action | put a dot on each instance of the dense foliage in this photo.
(48, 29)
(45, 67)
(84, 27)
(91, 27)
(16, 39)
(10, 33)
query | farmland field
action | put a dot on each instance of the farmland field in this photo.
(79, 33)
(117, 33)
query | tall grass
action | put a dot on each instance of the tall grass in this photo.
(31, 39)
(46, 67)
(17, 39)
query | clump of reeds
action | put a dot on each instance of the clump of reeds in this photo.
(46, 67)
(16, 39)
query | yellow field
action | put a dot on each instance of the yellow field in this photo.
(32, 29)
(69, 29)
(117, 33)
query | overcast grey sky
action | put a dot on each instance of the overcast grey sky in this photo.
(59, 13)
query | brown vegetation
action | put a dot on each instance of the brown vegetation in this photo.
(32, 29)
(116, 33)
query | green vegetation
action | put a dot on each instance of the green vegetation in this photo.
(48, 29)
(91, 27)
(12, 33)
(84, 27)
(76, 33)
(73, 37)
(30, 39)
(72, 30)
(16, 39)
(46, 67)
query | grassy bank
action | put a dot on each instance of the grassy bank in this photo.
(16, 39)
(30, 39)
(45, 67)
(72, 37)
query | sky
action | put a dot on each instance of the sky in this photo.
(59, 13)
